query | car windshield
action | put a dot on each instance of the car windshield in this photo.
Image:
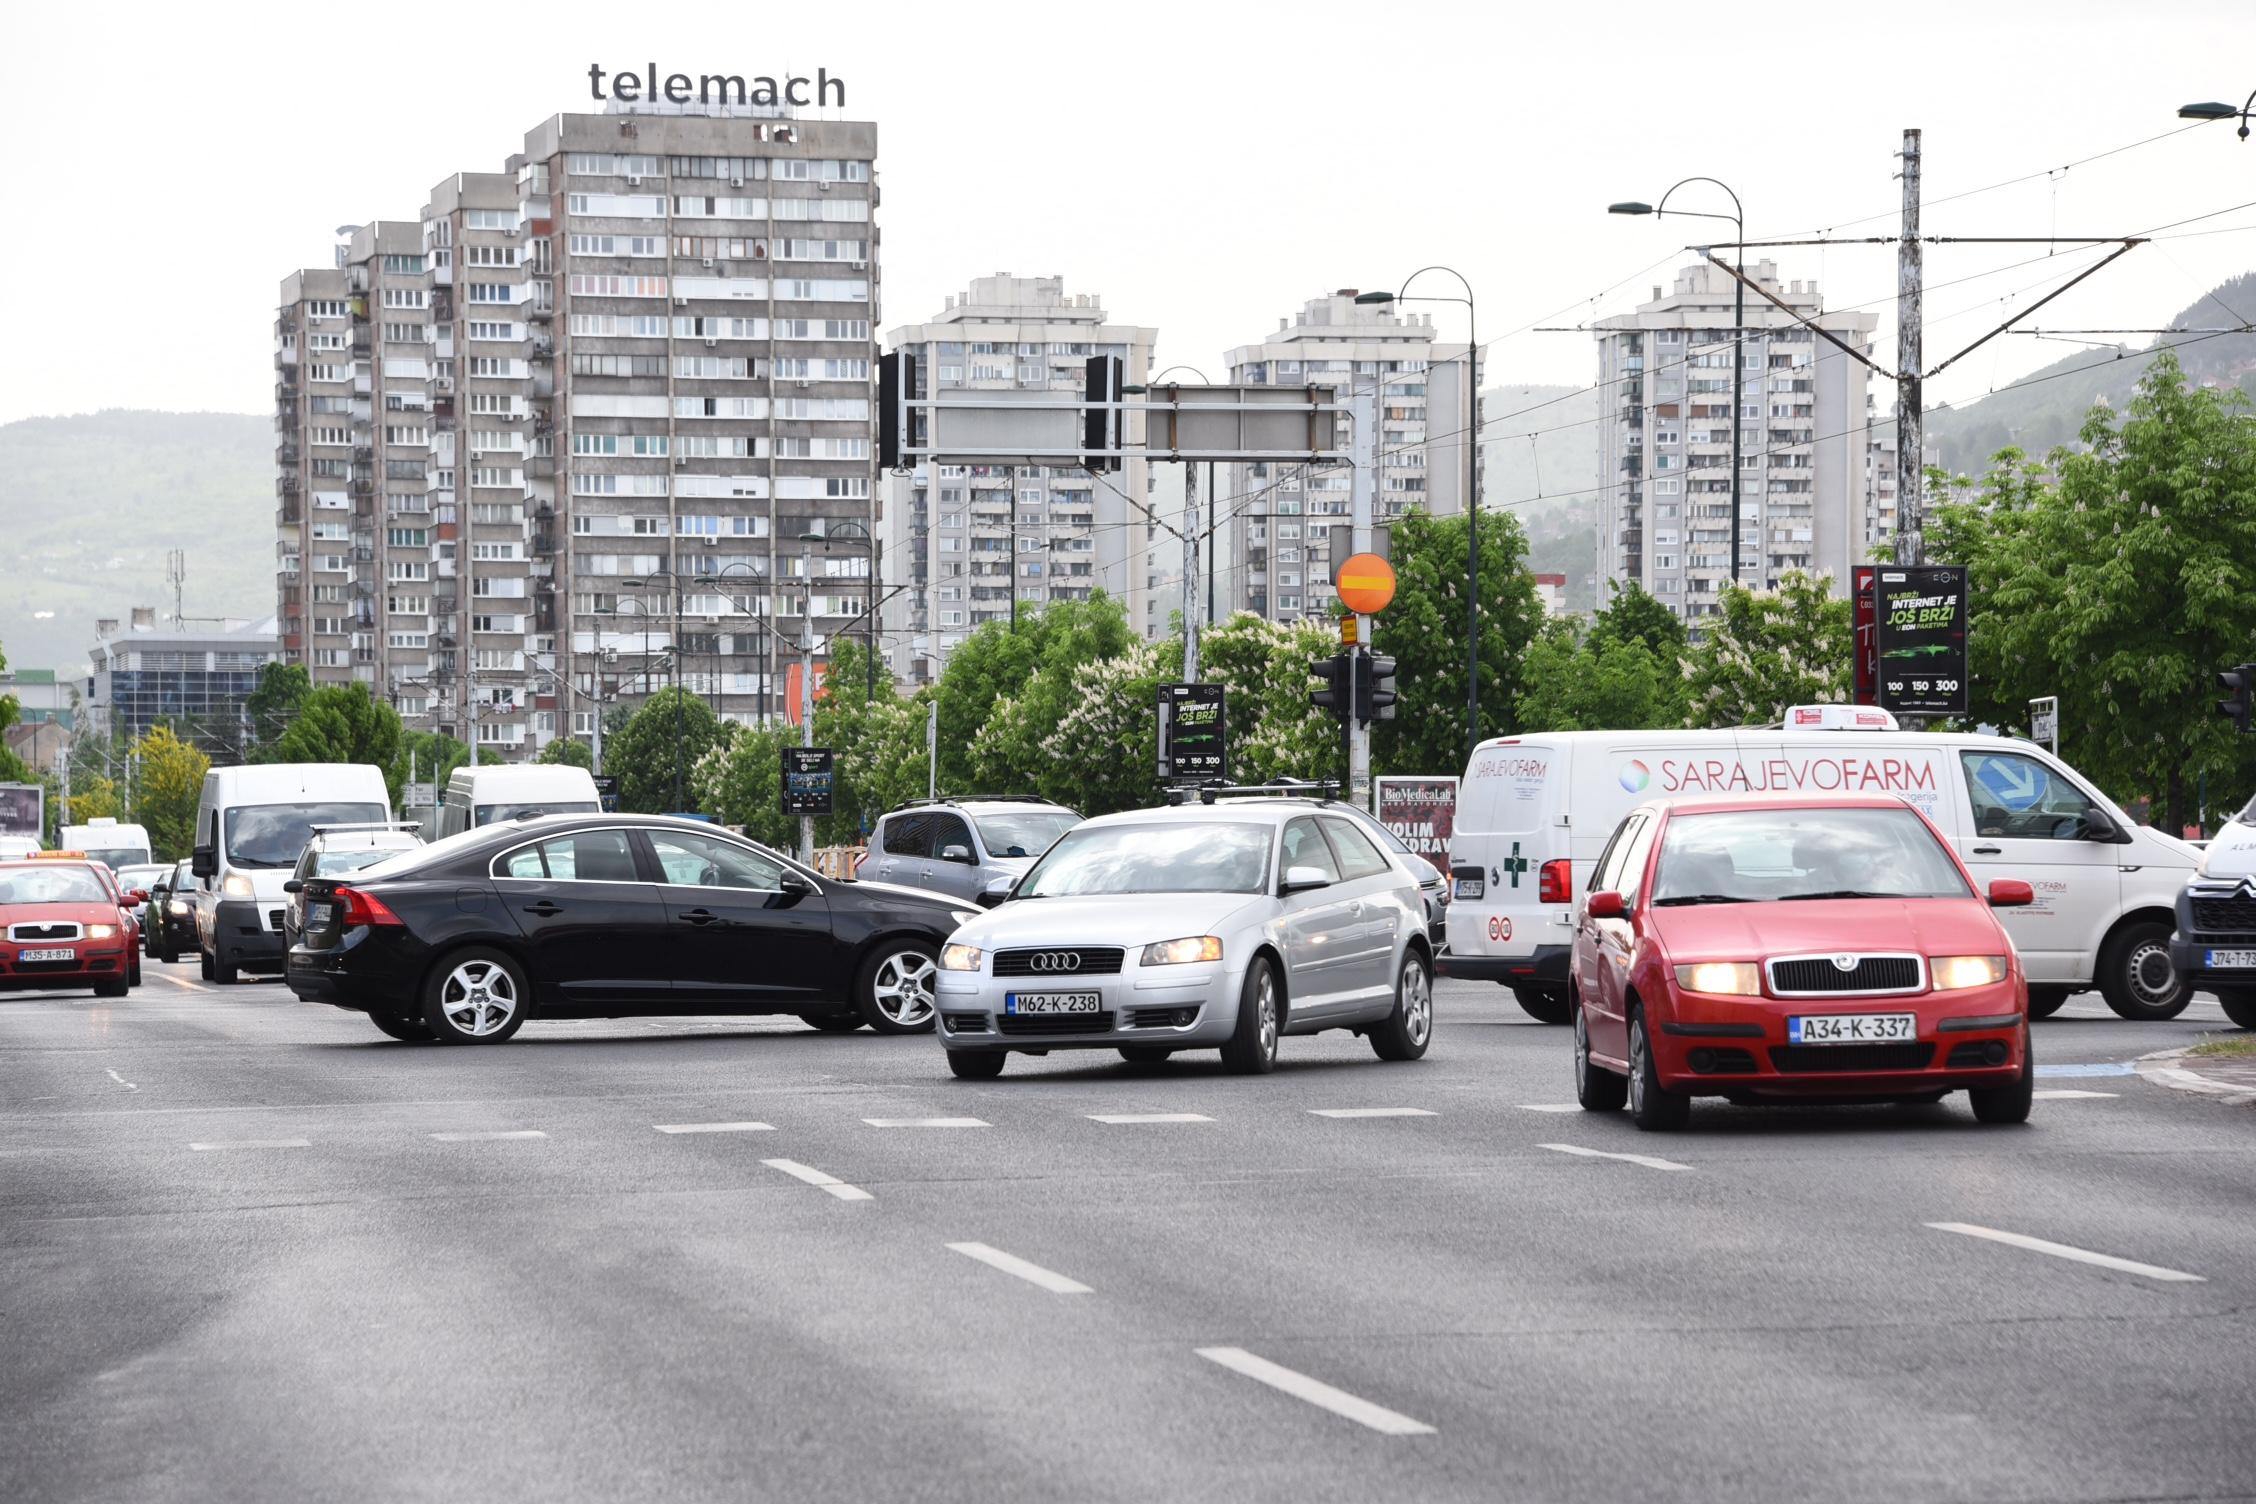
(272, 835)
(52, 884)
(329, 863)
(143, 876)
(117, 859)
(1024, 832)
(1215, 857)
(1780, 855)
(494, 814)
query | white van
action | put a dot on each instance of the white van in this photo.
(251, 823)
(492, 793)
(1534, 811)
(2215, 946)
(106, 841)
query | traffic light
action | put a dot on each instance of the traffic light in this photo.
(2239, 707)
(1101, 427)
(896, 385)
(1337, 675)
(1374, 688)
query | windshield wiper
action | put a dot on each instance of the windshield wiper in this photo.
(1688, 898)
(1838, 893)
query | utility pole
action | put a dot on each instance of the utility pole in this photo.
(932, 750)
(807, 680)
(1190, 573)
(1911, 476)
(1738, 399)
(1363, 483)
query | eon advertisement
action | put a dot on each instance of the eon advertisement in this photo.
(1921, 638)
(1193, 732)
(1421, 812)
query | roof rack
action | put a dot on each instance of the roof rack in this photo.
(1277, 788)
(977, 799)
(322, 830)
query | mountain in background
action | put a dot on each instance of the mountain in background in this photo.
(90, 505)
(2047, 408)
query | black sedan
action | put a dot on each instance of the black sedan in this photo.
(611, 916)
(168, 931)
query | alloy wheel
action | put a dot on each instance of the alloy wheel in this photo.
(1581, 1054)
(1637, 1064)
(1265, 1005)
(902, 988)
(1417, 1001)
(478, 998)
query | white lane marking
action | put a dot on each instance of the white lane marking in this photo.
(2063, 1094)
(1009, 1263)
(252, 1143)
(471, 1138)
(2064, 1251)
(183, 982)
(120, 1080)
(1550, 1107)
(1372, 1112)
(1647, 1160)
(1149, 1117)
(815, 1177)
(927, 1123)
(1301, 1387)
(714, 1127)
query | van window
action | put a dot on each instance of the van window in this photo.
(495, 814)
(272, 835)
(2017, 797)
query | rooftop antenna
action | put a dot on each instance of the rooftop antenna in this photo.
(176, 572)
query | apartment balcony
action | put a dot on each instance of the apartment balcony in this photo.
(286, 485)
(543, 347)
(544, 543)
(291, 515)
(286, 454)
(540, 466)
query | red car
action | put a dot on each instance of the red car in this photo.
(1794, 949)
(64, 924)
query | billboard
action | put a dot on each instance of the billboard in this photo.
(1422, 813)
(808, 779)
(23, 809)
(1921, 640)
(1193, 732)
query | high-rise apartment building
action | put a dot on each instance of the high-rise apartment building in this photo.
(1276, 517)
(594, 423)
(1665, 373)
(973, 542)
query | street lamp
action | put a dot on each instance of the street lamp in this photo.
(1737, 216)
(1472, 478)
(848, 528)
(2216, 111)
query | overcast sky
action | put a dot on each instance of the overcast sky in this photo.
(1204, 168)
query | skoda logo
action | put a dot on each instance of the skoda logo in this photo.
(1844, 963)
(1055, 960)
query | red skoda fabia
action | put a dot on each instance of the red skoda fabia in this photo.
(1794, 949)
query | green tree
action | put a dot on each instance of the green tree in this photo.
(272, 705)
(1263, 665)
(170, 781)
(1597, 682)
(878, 741)
(1102, 753)
(740, 783)
(1634, 615)
(569, 751)
(1424, 632)
(997, 661)
(1765, 650)
(654, 751)
(13, 769)
(424, 757)
(342, 723)
(94, 797)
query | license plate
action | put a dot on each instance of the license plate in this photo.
(47, 955)
(1471, 887)
(316, 913)
(2222, 960)
(1052, 1002)
(1852, 1028)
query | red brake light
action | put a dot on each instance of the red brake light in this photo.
(365, 909)
(1555, 882)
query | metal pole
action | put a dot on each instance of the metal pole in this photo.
(1190, 573)
(1213, 499)
(1472, 525)
(1363, 483)
(932, 750)
(807, 687)
(674, 584)
(1738, 386)
(1911, 478)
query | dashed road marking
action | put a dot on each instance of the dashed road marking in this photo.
(714, 1127)
(2065, 1251)
(1149, 1117)
(927, 1123)
(815, 1177)
(2102, 1068)
(182, 982)
(1316, 1392)
(471, 1138)
(252, 1143)
(1550, 1107)
(1372, 1112)
(1649, 1161)
(2064, 1094)
(120, 1080)
(1010, 1263)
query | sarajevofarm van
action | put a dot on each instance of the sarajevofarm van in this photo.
(1533, 812)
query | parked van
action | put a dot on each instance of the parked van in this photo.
(115, 846)
(495, 792)
(2215, 946)
(251, 823)
(1533, 813)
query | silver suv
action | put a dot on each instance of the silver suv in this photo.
(961, 845)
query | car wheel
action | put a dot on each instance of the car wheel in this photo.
(1652, 1106)
(2007, 1104)
(204, 964)
(2137, 977)
(2044, 1002)
(223, 969)
(166, 953)
(112, 989)
(2240, 1007)
(1596, 1088)
(1145, 1054)
(894, 990)
(832, 1023)
(977, 1065)
(1252, 1048)
(1543, 1004)
(405, 1030)
(134, 979)
(475, 996)
(1407, 1031)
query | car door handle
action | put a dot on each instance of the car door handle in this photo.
(1989, 851)
(702, 916)
(544, 908)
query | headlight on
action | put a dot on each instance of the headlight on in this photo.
(1181, 952)
(1953, 972)
(960, 957)
(1739, 978)
(179, 905)
(236, 886)
(101, 931)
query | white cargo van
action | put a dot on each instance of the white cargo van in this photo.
(2215, 946)
(492, 793)
(251, 823)
(106, 841)
(1534, 811)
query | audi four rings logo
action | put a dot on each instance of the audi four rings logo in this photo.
(1054, 960)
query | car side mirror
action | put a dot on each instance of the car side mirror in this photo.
(1606, 904)
(956, 853)
(132, 900)
(996, 892)
(294, 885)
(203, 861)
(2011, 893)
(1301, 879)
(793, 883)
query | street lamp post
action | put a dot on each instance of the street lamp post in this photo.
(850, 527)
(1738, 329)
(807, 541)
(1472, 478)
(2216, 111)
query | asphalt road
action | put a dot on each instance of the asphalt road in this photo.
(254, 1251)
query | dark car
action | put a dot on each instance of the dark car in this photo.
(611, 916)
(170, 931)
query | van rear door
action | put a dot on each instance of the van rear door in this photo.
(1509, 822)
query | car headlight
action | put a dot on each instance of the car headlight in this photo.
(1953, 972)
(179, 905)
(1738, 978)
(1181, 952)
(101, 931)
(236, 886)
(960, 957)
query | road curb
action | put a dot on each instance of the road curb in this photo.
(2165, 1068)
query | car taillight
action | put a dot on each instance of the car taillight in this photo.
(1555, 883)
(364, 909)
